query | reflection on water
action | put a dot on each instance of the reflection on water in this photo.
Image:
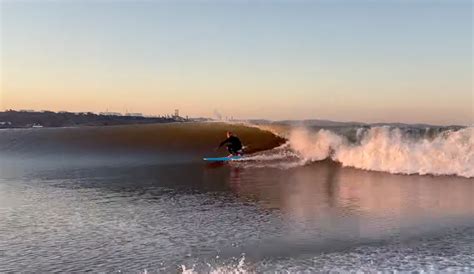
(323, 202)
(309, 192)
(159, 216)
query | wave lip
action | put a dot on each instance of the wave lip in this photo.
(393, 150)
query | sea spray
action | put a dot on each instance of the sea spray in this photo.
(314, 146)
(393, 150)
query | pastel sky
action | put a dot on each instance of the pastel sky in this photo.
(373, 61)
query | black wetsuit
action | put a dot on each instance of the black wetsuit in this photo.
(233, 145)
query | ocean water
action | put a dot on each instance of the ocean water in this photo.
(140, 199)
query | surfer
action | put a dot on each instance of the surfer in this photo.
(233, 143)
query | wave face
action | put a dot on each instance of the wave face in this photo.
(196, 139)
(394, 150)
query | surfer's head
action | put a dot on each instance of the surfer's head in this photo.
(229, 133)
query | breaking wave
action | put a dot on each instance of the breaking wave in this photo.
(401, 150)
(394, 150)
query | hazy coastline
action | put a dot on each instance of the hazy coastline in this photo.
(28, 119)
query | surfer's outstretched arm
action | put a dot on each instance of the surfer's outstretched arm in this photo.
(223, 143)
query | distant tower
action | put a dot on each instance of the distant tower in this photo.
(176, 113)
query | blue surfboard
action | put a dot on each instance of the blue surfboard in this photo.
(222, 159)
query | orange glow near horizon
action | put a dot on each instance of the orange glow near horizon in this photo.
(157, 57)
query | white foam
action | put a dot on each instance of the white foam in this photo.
(239, 268)
(388, 149)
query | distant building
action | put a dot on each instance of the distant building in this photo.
(62, 111)
(136, 114)
(26, 110)
(111, 113)
(176, 113)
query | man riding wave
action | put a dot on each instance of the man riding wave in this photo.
(233, 143)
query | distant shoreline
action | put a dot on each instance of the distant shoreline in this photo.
(35, 119)
(48, 119)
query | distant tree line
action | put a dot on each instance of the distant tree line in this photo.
(21, 119)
